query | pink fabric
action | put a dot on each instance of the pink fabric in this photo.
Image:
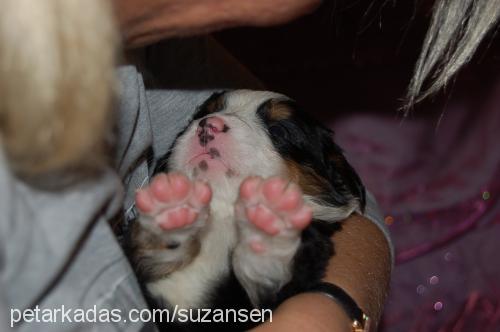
(439, 186)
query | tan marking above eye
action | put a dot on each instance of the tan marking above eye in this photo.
(279, 111)
(308, 180)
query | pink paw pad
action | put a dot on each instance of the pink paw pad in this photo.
(274, 206)
(172, 200)
(257, 246)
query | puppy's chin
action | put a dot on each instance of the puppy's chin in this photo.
(57, 61)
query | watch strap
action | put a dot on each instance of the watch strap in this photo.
(360, 321)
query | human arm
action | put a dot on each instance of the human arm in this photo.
(361, 266)
(147, 21)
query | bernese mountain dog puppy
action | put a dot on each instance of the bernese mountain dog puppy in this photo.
(241, 210)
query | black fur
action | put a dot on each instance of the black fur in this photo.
(214, 103)
(304, 140)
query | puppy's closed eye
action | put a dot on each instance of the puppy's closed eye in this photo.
(279, 133)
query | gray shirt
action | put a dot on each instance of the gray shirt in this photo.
(57, 249)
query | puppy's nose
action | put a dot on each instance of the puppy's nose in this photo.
(213, 124)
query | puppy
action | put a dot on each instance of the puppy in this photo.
(242, 208)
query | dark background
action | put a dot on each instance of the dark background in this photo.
(353, 55)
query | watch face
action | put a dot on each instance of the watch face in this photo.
(361, 326)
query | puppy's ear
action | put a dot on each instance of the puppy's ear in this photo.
(340, 184)
(312, 158)
(57, 67)
(343, 177)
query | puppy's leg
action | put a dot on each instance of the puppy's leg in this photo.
(173, 211)
(270, 216)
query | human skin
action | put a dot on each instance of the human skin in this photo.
(147, 21)
(361, 265)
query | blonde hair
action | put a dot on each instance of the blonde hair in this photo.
(57, 60)
(456, 30)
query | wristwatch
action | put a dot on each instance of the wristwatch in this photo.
(360, 321)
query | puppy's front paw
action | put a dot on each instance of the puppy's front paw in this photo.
(172, 201)
(274, 208)
(271, 214)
